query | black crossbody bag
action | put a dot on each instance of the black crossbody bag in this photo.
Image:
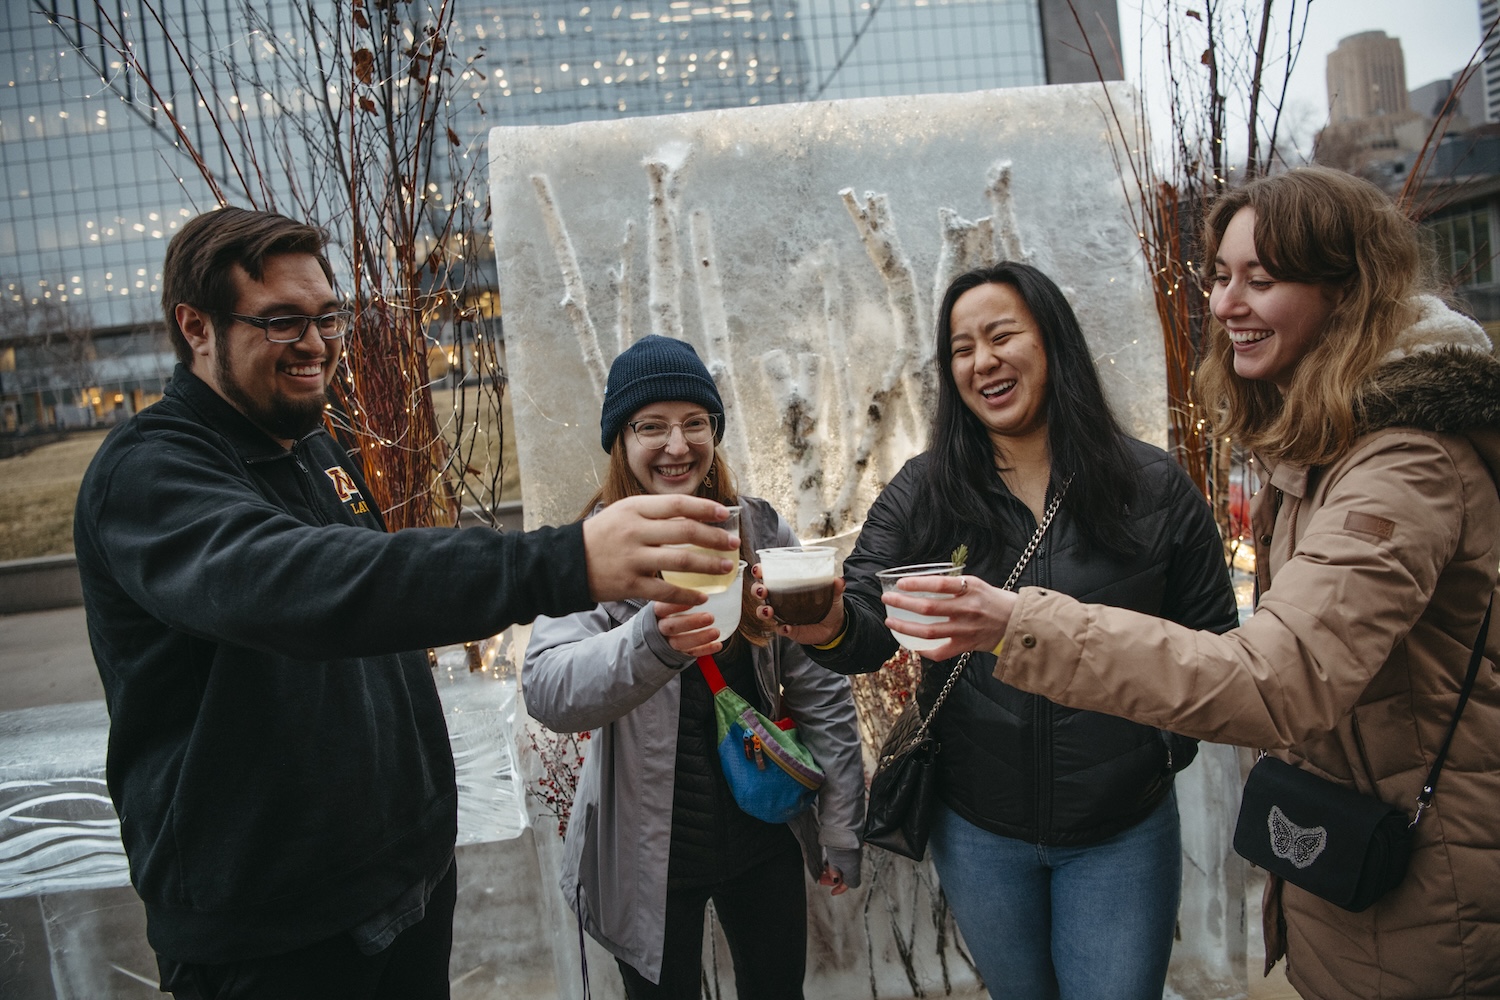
(1337, 844)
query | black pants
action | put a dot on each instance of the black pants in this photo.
(764, 915)
(414, 967)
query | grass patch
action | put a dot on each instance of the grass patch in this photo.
(38, 490)
(488, 451)
(37, 494)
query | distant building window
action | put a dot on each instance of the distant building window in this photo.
(1465, 251)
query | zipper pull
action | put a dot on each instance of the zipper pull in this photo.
(749, 750)
(760, 758)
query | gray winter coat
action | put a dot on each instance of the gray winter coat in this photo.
(610, 670)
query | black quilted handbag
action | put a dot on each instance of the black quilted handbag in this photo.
(904, 789)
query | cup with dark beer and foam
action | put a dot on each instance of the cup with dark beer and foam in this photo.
(799, 582)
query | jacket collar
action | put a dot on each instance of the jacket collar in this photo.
(1291, 478)
(253, 444)
(1447, 389)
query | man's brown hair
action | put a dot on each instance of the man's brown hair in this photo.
(199, 269)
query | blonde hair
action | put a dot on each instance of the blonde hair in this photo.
(718, 484)
(1317, 226)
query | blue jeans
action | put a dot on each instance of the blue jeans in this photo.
(1076, 923)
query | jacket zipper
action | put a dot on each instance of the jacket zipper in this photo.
(314, 501)
(1364, 757)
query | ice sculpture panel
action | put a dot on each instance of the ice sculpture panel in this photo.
(59, 831)
(800, 249)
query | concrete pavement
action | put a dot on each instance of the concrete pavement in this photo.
(45, 660)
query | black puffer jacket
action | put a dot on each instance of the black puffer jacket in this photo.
(1014, 763)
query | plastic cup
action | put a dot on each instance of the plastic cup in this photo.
(725, 604)
(799, 582)
(890, 577)
(708, 583)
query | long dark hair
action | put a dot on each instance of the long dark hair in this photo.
(1086, 440)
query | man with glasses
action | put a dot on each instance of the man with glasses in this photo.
(277, 751)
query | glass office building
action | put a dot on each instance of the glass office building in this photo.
(96, 186)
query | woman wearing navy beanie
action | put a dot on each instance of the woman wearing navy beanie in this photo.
(655, 832)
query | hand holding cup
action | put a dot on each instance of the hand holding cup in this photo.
(802, 591)
(708, 583)
(947, 613)
(631, 541)
(904, 615)
(684, 627)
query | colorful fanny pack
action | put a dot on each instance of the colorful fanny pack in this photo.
(771, 774)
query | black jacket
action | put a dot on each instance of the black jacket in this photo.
(1014, 763)
(277, 751)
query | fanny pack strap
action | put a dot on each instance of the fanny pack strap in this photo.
(716, 684)
(711, 674)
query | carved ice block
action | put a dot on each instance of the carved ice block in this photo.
(59, 831)
(801, 249)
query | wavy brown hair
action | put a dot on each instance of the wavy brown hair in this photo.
(620, 482)
(1313, 225)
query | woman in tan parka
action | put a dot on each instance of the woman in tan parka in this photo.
(1375, 412)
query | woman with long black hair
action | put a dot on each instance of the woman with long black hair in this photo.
(1057, 837)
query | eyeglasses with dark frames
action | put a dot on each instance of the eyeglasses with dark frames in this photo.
(290, 329)
(654, 434)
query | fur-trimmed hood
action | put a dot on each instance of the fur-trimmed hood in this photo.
(1442, 376)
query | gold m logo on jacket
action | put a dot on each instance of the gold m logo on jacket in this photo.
(343, 483)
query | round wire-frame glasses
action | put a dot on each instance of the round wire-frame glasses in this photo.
(653, 435)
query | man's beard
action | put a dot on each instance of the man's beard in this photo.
(281, 418)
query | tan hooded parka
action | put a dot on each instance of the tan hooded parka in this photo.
(1375, 572)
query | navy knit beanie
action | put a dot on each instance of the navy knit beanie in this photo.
(655, 370)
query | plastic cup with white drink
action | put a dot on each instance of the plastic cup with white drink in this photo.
(890, 577)
(726, 605)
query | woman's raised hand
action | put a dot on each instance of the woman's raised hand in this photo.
(816, 634)
(690, 634)
(978, 614)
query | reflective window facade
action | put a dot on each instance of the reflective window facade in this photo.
(96, 187)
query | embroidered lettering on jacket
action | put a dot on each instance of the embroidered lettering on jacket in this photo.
(1290, 842)
(343, 485)
(1369, 524)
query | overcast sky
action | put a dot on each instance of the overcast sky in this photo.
(1437, 38)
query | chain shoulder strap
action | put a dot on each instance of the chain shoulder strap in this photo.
(1036, 537)
(1010, 583)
